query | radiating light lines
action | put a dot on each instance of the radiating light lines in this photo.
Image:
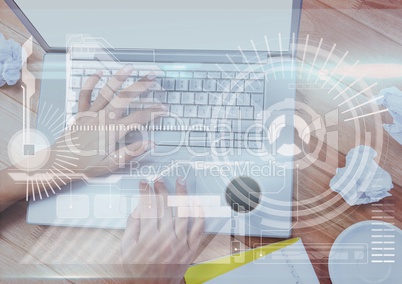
(44, 187)
(256, 52)
(57, 177)
(65, 162)
(359, 93)
(245, 59)
(363, 104)
(60, 126)
(281, 54)
(336, 67)
(52, 179)
(41, 182)
(343, 77)
(47, 113)
(51, 187)
(233, 63)
(44, 180)
(304, 55)
(307, 48)
(332, 73)
(27, 190)
(61, 116)
(326, 61)
(64, 168)
(41, 113)
(269, 55)
(51, 118)
(315, 58)
(39, 191)
(33, 190)
(68, 157)
(348, 87)
(367, 114)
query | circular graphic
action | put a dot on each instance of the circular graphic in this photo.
(306, 122)
(366, 253)
(24, 150)
(39, 164)
(243, 194)
(329, 115)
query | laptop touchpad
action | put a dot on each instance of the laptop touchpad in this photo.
(129, 184)
(169, 171)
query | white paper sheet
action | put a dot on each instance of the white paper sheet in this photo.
(392, 99)
(362, 180)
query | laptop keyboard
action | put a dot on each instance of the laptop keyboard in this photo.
(213, 108)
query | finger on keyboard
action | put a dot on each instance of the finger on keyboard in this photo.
(119, 103)
(143, 116)
(84, 100)
(107, 92)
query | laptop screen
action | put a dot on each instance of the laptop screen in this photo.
(166, 24)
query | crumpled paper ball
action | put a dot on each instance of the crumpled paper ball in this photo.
(362, 180)
(392, 100)
(12, 57)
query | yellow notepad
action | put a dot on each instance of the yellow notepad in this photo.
(207, 271)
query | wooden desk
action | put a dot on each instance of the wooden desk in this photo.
(368, 30)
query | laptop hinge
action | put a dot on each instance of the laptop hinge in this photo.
(261, 57)
(111, 55)
(254, 58)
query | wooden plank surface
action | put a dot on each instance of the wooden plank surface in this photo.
(368, 30)
(382, 16)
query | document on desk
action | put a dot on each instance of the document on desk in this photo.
(284, 262)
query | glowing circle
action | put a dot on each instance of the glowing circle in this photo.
(26, 150)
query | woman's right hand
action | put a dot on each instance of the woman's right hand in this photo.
(157, 246)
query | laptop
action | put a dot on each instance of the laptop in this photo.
(222, 70)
